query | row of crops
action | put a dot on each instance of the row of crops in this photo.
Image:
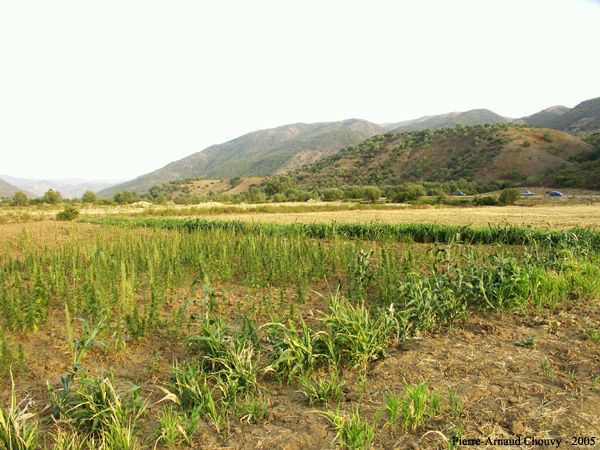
(408, 232)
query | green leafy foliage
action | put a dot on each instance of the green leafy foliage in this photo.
(68, 214)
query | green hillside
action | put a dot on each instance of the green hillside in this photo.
(290, 147)
(484, 153)
(581, 170)
(265, 152)
(582, 119)
(449, 120)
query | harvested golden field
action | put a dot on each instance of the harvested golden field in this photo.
(559, 216)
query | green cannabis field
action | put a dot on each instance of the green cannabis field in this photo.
(122, 333)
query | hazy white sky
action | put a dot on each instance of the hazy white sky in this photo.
(115, 89)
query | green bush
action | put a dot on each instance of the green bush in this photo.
(372, 193)
(486, 201)
(88, 197)
(52, 197)
(406, 191)
(508, 197)
(67, 214)
(124, 197)
(19, 199)
(332, 194)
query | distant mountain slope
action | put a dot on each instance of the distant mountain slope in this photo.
(545, 117)
(286, 148)
(68, 187)
(449, 120)
(582, 119)
(7, 189)
(260, 153)
(484, 153)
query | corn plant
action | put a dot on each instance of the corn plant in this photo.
(321, 390)
(455, 404)
(547, 369)
(359, 337)
(192, 390)
(251, 408)
(418, 405)
(352, 430)
(176, 428)
(393, 407)
(96, 407)
(295, 352)
(79, 347)
(18, 430)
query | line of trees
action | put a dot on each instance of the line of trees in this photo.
(284, 189)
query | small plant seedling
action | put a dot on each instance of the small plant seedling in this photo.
(528, 342)
(548, 371)
(595, 381)
(352, 431)
(456, 406)
(323, 390)
(592, 334)
(393, 407)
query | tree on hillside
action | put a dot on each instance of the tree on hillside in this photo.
(19, 199)
(235, 181)
(52, 197)
(88, 197)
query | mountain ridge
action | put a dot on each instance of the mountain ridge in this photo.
(279, 150)
(8, 190)
(259, 153)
